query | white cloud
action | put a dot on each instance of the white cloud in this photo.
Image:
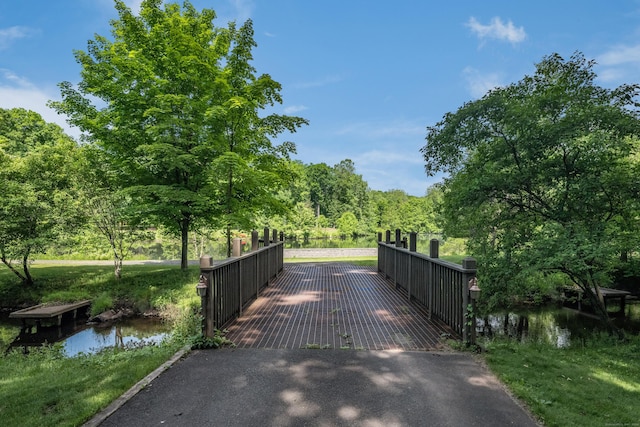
(8, 35)
(17, 92)
(243, 9)
(620, 55)
(497, 30)
(479, 84)
(294, 109)
(393, 169)
(619, 63)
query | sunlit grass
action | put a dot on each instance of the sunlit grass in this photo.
(46, 389)
(591, 385)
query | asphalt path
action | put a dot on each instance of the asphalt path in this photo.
(261, 387)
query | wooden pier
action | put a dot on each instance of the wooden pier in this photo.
(48, 312)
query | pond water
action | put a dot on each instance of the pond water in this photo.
(553, 325)
(78, 337)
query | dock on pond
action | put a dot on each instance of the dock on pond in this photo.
(48, 312)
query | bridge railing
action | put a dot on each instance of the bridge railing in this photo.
(440, 286)
(230, 285)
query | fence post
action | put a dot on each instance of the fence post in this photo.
(398, 241)
(379, 236)
(236, 250)
(387, 237)
(275, 235)
(412, 241)
(266, 237)
(208, 301)
(434, 248)
(412, 248)
(282, 236)
(469, 265)
(255, 245)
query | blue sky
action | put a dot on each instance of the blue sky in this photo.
(370, 76)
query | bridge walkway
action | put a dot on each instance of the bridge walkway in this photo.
(335, 306)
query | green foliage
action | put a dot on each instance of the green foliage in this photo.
(542, 176)
(219, 340)
(347, 224)
(185, 135)
(101, 303)
(37, 171)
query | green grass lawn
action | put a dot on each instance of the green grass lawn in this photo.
(593, 385)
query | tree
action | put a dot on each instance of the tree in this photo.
(347, 224)
(37, 201)
(178, 103)
(111, 211)
(250, 170)
(541, 172)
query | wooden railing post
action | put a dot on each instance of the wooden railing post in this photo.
(434, 248)
(398, 241)
(469, 266)
(412, 241)
(266, 237)
(255, 244)
(208, 301)
(236, 247)
(275, 235)
(387, 237)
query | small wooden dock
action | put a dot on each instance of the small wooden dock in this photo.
(608, 295)
(48, 312)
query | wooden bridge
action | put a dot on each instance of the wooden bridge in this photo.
(335, 306)
(409, 302)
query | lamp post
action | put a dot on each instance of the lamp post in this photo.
(474, 294)
(201, 289)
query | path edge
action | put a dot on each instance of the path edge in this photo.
(98, 418)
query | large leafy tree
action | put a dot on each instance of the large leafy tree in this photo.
(178, 103)
(250, 170)
(542, 175)
(37, 175)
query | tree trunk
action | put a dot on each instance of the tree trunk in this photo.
(595, 297)
(228, 240)
(117, 263)
(28, 280)
(184, 230)
(6, 262)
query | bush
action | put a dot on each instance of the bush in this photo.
(101, 303)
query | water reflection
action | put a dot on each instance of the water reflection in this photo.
(555, 326)
(78, 337)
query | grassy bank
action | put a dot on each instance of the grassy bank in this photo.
(596, 384)
(46, 388)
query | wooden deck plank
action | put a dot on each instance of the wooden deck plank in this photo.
(43, 311)
(335, 305)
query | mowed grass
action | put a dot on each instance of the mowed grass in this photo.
(593, 385)
(47, 389)
(141, 286)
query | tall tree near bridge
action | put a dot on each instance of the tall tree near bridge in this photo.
(37, 196)
(542, 176)
(179, 102)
